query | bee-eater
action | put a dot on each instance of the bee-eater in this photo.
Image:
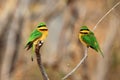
(38, 35)
(88, 39)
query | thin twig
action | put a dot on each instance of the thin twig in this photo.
(103, 65)
(85, 56)
(106, 15)
(38, 55)
(81, 61)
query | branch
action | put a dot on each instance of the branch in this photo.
(103, 65)
(38, 55)
(81, 61)
(106, 15)
(85, 55)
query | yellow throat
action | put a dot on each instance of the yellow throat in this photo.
(82, 33)
(44, 31)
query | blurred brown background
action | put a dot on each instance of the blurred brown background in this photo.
(62, 50)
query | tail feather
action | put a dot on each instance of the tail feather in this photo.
(33, 50)
(98, 50)
(31, 58)
(29, 45)
(101, 52)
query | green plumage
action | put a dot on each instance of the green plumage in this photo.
(34, 35)
(88, 37)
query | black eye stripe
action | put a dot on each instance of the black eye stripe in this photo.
(43, 29)
(84, 32)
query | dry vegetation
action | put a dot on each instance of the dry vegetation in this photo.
(62, 50)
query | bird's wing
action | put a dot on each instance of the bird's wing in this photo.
(34, 35)
(90, 40)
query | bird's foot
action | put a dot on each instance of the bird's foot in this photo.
(40, 43)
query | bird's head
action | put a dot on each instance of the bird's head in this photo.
(84, 30)
(42, 27)
(42, 24)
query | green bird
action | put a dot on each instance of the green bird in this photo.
(88, 39)
(38, 35)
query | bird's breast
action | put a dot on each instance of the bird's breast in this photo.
(42, 38)
(44, 35)
(81, 40)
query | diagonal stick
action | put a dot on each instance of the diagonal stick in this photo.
(85, 56)
(39, 61)
(81, 61)
(106, 15)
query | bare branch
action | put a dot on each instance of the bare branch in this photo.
(38, 55)
(85, 56)
(106, 15)
(103, 65)
(81, 61)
